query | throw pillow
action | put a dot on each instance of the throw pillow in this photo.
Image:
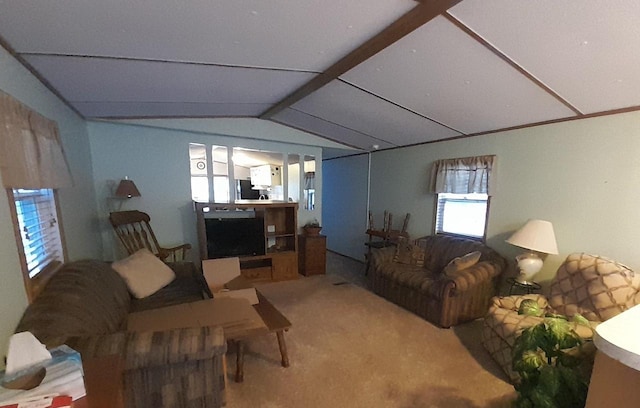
(144, 273)
(409, 253)
(462, 262)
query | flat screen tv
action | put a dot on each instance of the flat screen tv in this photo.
(234, 237)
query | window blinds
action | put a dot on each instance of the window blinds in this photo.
(38, 224)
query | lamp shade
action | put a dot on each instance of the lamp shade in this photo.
(127, 189)
(536, 235)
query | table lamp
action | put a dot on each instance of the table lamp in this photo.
(538, 237)
(127, 189)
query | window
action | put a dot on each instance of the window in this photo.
(198, 168)
(462, 214)
(463, 187)
(309, 183)
(37, 221)
(33, 166)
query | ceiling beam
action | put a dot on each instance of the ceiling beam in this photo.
(4, 44)
(410, 21)
(511, 62)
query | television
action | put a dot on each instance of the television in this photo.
(234, 237)
(246, 191)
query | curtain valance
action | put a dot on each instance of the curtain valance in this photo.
(464, 175)
(310, 180)
(31, 154)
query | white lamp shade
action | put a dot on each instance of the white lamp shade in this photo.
(536, 235)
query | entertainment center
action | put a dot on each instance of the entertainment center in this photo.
(262, 234)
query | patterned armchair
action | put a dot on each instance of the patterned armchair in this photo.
(593, 286)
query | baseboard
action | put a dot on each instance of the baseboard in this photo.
(345, 256)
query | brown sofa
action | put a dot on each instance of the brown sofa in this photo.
(593, 286)
(85, 305)
(428, 291)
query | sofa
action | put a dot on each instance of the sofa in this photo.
(593, 286)
(424, 288)
(85, 305)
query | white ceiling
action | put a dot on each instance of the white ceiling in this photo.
(481, 66)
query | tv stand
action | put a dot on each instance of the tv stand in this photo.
(278, 260)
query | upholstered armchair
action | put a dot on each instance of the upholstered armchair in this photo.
(593, 286)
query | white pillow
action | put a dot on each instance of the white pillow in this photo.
(144, 273)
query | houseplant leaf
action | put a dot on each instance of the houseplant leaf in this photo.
(550, 380)
(541, 399)
(577, 388)
(548, 357)
(530, 361)
(578, 318)
(530, 307)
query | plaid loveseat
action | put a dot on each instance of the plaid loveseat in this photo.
(85, 305)
(427, 291)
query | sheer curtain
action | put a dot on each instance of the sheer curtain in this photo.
(464, 175)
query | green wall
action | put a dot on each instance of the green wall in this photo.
(158, 161)
(580, 175)
(77, 204)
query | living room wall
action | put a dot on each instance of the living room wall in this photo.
(345, 196)
(158, 162)
(77, 204)
(579, 175)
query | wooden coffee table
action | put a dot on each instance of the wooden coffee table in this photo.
(276, 323)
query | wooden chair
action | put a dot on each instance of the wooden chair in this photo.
(134, 231)
(387, 236)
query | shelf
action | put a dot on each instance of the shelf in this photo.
(277, 235)
(276, 227)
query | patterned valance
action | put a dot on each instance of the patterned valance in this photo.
(464, 175)
(31, 155)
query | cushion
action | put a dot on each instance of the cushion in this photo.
(409, 253)
(144, 273)
(462, 262)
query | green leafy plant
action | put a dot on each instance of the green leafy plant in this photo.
(312, 224)
(550, 358)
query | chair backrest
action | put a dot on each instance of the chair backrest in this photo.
(594, 286)
(134, 231)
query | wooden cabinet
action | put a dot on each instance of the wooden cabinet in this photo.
(313, 254)
(262, 235)
(284, 266)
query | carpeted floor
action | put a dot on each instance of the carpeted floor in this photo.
(350, 348)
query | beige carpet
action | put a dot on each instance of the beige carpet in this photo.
(350, 348)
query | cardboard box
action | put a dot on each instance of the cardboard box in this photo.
(235, 315)
(225, 281)
(249, 294)
(219, 271)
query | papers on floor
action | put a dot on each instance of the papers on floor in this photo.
(64, 377)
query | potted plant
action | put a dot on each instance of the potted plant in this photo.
(312, 228)
(553, 361)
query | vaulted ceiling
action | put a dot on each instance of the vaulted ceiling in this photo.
(370, 74)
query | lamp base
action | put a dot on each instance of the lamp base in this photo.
(529, 264)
